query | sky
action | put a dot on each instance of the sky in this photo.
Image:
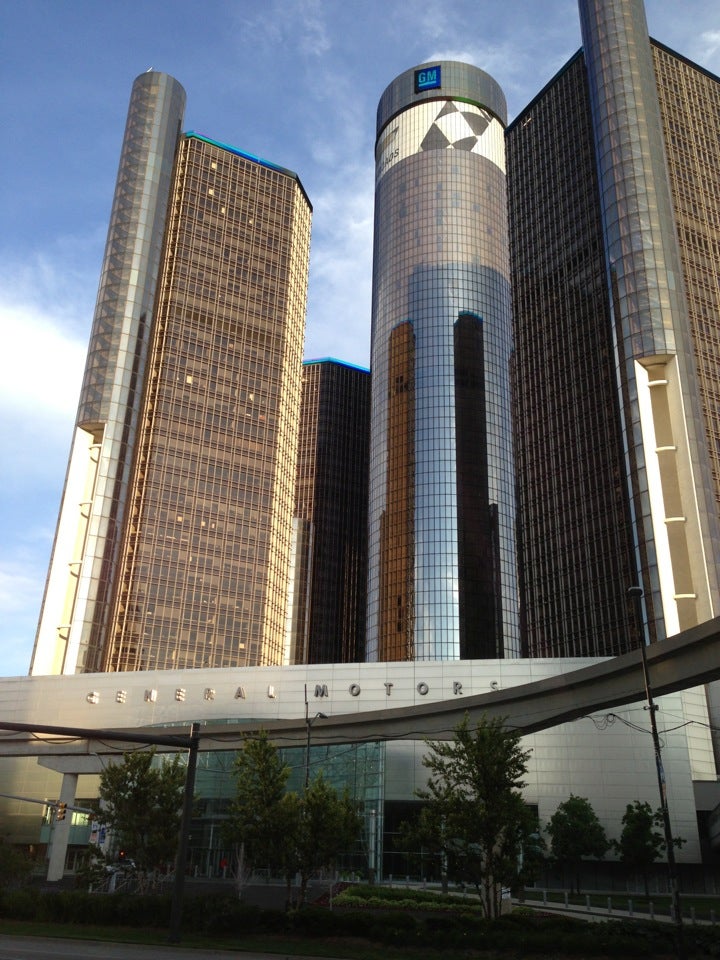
(296, 82)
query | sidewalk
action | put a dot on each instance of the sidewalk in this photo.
(597, 914)
(46, 948)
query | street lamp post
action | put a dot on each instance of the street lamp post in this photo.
(184, 837)
(636, 595)
(309, 721)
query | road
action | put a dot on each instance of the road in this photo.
(46, 948)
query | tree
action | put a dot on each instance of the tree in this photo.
(287, 832)
(533, 855)
(640, 844)
(141, 802)
(427, 837)
(475, 817)
(15, 866)
(260, 818)
(327, 824)
(575, 832)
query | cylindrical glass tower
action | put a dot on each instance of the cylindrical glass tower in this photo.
(442, 568)
(71, 632)
(670, 482)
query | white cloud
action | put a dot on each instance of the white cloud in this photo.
(513, 62)
(46, 305)
(709, 47)
(341, 269)
(340, 133)
(299, 23)
(42, 364)
(313, 34)
(17, 583)
(680, 26)
(21, 585)
(44, 335)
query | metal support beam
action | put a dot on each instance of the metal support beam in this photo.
(60, 831)
(184, 836)
(636, 595)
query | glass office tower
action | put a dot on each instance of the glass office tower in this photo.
(329, 583)
(174, 546)
(614, 205)
(442, 573)
(86, 549)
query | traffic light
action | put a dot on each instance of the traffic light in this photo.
(60, 812)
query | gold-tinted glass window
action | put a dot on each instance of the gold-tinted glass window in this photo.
(329, 590)
(574, 531)
(690, 109)
(205, 556)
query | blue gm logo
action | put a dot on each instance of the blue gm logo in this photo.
(427, 79)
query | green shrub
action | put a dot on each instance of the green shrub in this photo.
(523, 912)
(63, 907)
(133, 910)
(401, 929)
(79, 907)
(420, 901)
(363, 892)
(316, 922)
(354, 923)
(101, 910)
(15, 866)
(19, 904)
(228, 915)
(221, 915)
(456, 931)
(523, 932)
(641, 939)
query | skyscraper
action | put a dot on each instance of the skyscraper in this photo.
(173, 542)
(614, 198)
(327, 615)
(442, 571)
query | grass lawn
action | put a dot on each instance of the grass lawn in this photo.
(348, 948)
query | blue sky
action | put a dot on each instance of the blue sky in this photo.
(294, 81)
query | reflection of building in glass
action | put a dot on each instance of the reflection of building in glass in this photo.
(326, 618)
(442, 578)
(616, 279)
(173, 543)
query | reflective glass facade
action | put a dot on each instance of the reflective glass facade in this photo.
(442, 575)
(575, 525)
(614, 287)
(690, 112)
(178, 508)
(83, 568)
(357, 768)
(673, 502)
(327, 611)
(205, 568)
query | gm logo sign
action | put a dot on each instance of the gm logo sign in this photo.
(427, 79)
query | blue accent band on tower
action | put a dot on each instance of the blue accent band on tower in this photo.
(340, 363)
(251, 157)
